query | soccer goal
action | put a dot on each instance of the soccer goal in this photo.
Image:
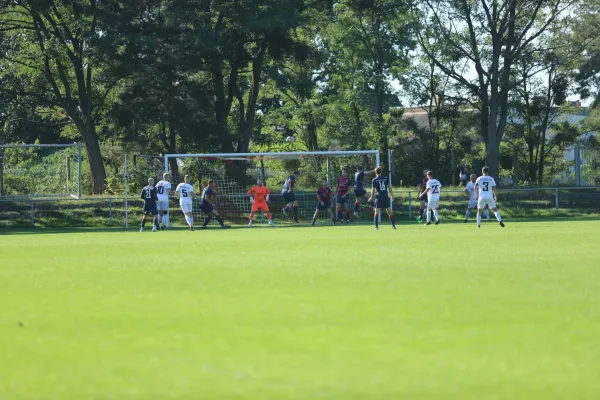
(234, 173)
(40, 170)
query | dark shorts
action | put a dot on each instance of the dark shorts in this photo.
(150, 208)
(323, 207)
(342, 200)
(288, 197)
(359, 191)
(206, 207)
(383, 202)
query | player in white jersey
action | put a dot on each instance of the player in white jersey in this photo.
(485, 193)
(432, 189)
(469, 191)
(164, 190)
(185, 191)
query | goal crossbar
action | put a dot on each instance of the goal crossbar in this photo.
(273, 155)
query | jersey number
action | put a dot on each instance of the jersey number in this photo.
(382, 186)
(435, 189)
(485, 186)
(148, 194)
(184, 193)
(161, 190)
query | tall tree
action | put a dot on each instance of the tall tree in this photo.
(50, 61)
(488, 37)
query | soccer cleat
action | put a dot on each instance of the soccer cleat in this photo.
(142, 229)
(502, 224)
(393, 226)
(489, 220)
(419, 220)
(154, 229)
(428, 223)
(250, 223)
(466, 220)
(191, 228)
(162, 227)
(376, 229)
(437, 222)
(271, 223)
(479, 226)
(347, 222)
(333, 223)
(285, 213)
(355, 215)
(203, 227)
(225, 227)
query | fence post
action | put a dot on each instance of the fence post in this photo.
(515, 166)
(110, 211)
(556, 199)
(32, 213)
(577, 166)
(79, 171)
(126, 179)
(409, 205)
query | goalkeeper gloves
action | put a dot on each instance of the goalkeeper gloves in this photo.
(267, 198)
(251, 200)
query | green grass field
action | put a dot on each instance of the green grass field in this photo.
(438, 312)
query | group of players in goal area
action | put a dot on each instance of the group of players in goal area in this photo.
(481, 192)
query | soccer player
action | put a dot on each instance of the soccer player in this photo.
(423, 199)
(259, 196)
(289, 196)
(485, 193)
(359, 190)
(150, 199)
(382, 186)
(432, 191)
(342, 198)
(186, 191)
(164, 189)
(469, 191)
(208, 208)
(324, 195)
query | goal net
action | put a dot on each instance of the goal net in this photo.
(40, 170)
(234, 174)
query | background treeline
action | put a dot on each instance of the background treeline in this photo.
(484, 81)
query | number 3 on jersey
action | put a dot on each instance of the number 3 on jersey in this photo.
(485, 186)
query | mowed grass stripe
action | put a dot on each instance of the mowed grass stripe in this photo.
(446, 311)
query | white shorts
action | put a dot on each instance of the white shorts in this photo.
(482, 202)
(186, 208)
(431, 204)
(472, 204)
(163, 205)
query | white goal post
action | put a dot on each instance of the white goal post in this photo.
(273, 167)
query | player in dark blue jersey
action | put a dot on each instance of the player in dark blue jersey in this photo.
(289, 195)
(324, 196)
(207, 206)
(359, 189)
(382, 193)
(149, 194)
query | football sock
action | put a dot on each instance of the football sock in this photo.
(392, 220)
(356, 204)
(376, 220)
(220, 220)
(155, 221)
(339, 215)
(467, 214)
(286, 209)
(498, 217)
(486, 213)
(143, 221)
(187, 219)
(269, 217)
(428, 217)
(251, 216)
(435, 214)
(478, 219)
(348, 215)
(206, 221)
(295, 210)
(333, 220)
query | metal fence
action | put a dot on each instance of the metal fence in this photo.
(119, 212)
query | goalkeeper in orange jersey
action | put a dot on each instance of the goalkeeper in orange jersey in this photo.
(259, 195)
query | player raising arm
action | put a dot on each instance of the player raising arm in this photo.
(485, 193)
(324, 195)
(359, 190)
(384, 196)
(342, 198)
(289, 196)
(186, 190)
(432, 190)
(259, 196)
(207, 206)
(164, 190)
(150, 198)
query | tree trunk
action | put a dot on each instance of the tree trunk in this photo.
(92, 147)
